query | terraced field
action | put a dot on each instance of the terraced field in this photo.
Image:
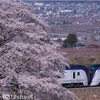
(87, 93)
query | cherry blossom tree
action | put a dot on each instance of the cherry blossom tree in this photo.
(29, 60)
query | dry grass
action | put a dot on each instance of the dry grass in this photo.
(83, 56)
(85, 60)
(87, 93)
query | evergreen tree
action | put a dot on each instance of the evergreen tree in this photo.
(70, 41)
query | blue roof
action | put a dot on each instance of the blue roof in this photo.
(93, 66)
(75, 66)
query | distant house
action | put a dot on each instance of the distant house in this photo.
(58, 39)
(80, 44)
(38, 4)
(82, 38)
(97, 37)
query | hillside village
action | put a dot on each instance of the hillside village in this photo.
(80, 18)
(67, 9)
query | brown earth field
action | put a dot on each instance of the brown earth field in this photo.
(74, 28)
(84, 56)
(87, 93)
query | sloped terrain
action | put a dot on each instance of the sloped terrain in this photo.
(84, 56)
(29, 61)
(87, 93)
